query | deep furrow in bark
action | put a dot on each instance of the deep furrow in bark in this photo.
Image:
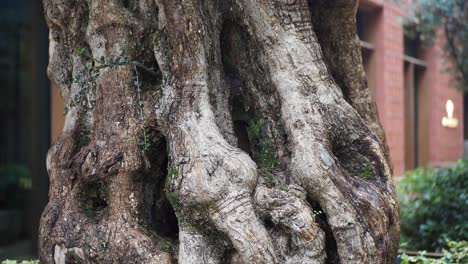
(289, 212)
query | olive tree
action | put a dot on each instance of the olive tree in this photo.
(236, 131)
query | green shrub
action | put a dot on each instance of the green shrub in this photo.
(15, 182)
(434, 206)
(456, 254)
(8, 261)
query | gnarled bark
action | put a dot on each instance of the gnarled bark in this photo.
(238, 131)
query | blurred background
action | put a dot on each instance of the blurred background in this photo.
(424, 115)
(25, 133)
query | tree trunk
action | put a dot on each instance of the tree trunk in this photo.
(237, 131)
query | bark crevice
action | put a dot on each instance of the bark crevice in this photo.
(161, 214)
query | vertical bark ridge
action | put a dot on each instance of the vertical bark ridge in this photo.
(335, 27)
(289, 212)
(214, 180)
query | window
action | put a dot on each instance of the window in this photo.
(416, 114)
(366, 19)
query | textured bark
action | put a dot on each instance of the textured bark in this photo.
(253, 137)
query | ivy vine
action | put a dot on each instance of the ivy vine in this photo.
(92, 69)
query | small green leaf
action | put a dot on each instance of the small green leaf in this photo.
(80, 52)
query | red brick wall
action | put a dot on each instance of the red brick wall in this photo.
(444, 144)
(388, 53)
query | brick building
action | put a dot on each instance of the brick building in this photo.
(410, 89)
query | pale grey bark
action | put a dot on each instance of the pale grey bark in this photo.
(267, 150)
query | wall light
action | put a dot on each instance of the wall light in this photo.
(449, 121)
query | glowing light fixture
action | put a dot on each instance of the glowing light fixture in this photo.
(449, 121)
